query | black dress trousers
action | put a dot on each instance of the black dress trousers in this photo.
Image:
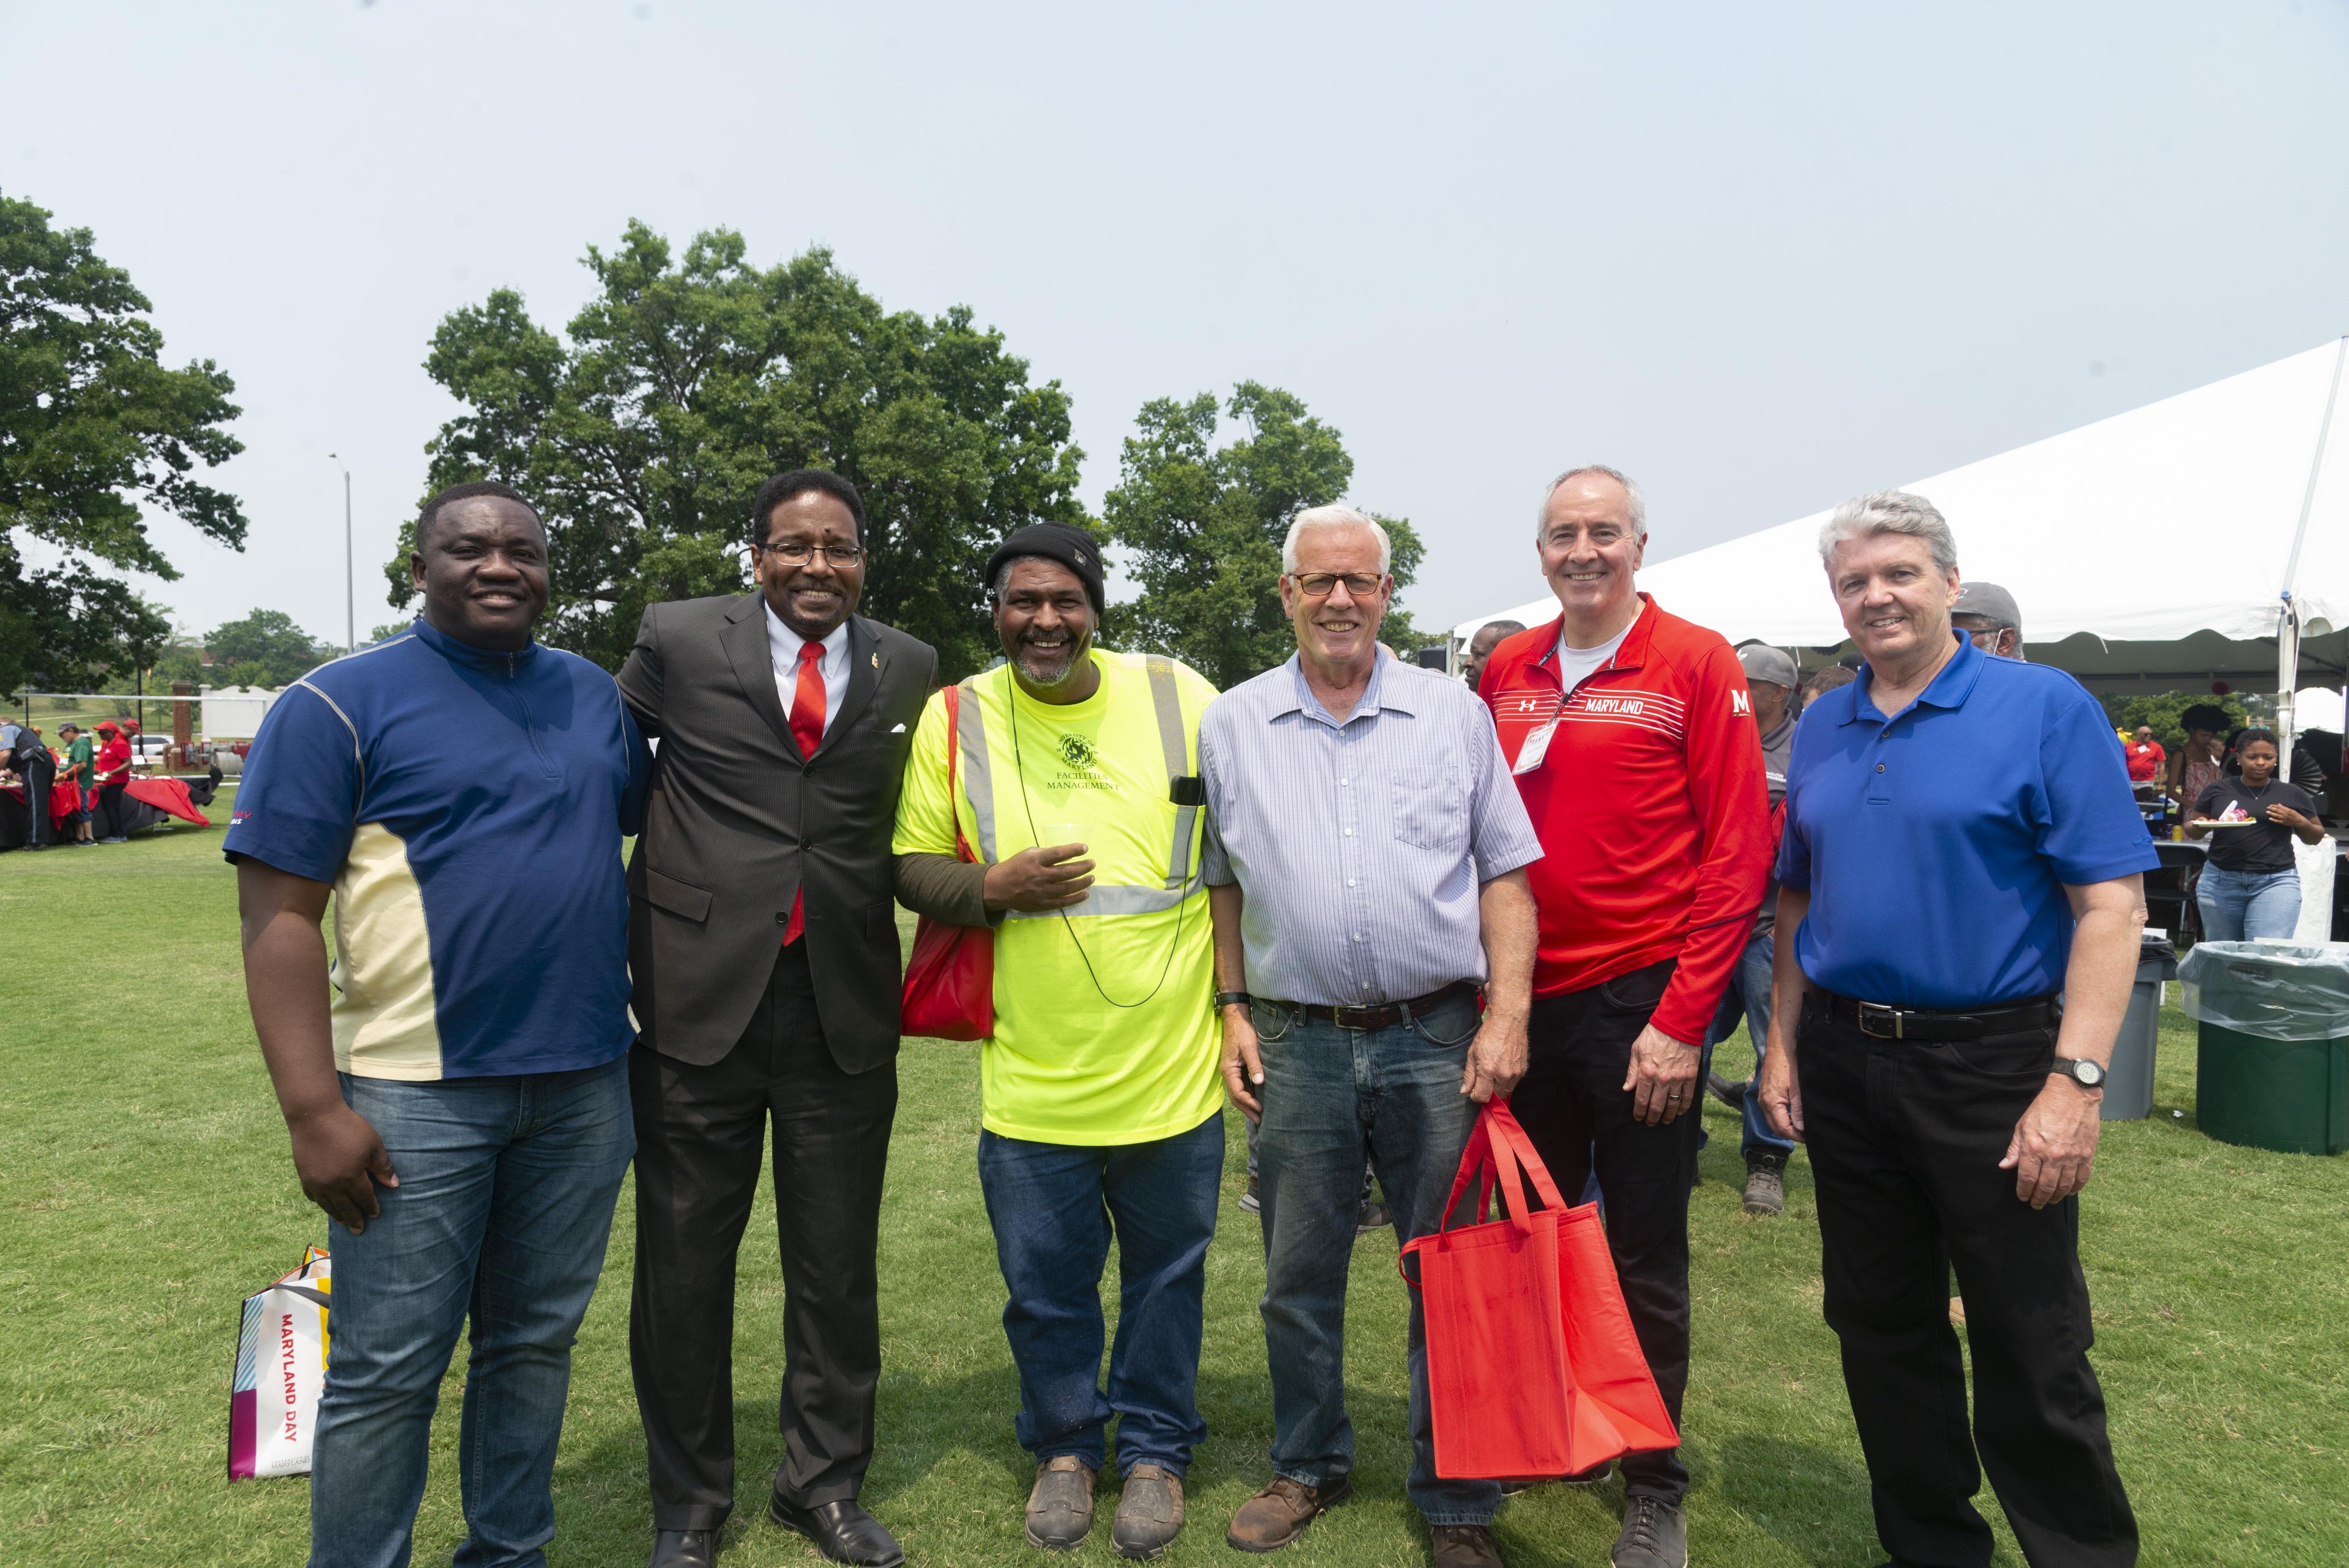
(701, 1133)
(1905, 1138)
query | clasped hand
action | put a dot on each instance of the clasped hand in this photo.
(1049, 877)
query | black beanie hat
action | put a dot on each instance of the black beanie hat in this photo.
(1072, 547)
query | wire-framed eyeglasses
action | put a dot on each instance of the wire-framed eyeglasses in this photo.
(793, 553)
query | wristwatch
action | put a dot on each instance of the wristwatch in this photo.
(1225, 998)
(2087, 1074)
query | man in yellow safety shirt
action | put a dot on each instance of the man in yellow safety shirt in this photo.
(1101, 1100)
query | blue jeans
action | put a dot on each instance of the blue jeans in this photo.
(1747, 996)
(504, 1203)
(1331, 1096)
(1053, 1207)
(2244, 906)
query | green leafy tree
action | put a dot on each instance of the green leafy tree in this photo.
(92, 425)
(645, 430)
(1200, 527)
(2161, 709)
(263, 649)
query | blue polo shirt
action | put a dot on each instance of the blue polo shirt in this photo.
(1936, 845)
(468, 808)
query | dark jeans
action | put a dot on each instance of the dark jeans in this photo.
(1332, 1095)
(503, 1211)
(1905, 1139)
(111, 813)
(701, 1132)
(1573, 1105)
(1747, 999)
(1053, 1207)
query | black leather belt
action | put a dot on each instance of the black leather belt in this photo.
(1880, 1021)
(1387, 1014)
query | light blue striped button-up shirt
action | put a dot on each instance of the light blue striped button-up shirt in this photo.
(1360, 846)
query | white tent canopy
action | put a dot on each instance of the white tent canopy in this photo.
(2149, 552)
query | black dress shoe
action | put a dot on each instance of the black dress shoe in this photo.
(685, 1549)
(842, 1531)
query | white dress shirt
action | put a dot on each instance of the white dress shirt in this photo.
(784, 647)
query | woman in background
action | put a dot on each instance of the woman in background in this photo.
(2250, 887)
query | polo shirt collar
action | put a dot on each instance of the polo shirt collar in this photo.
(1375, 696)
(1950, 689)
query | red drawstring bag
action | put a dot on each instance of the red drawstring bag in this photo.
(950, 978)
(1532, 1367)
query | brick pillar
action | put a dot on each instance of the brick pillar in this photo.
(181, 714)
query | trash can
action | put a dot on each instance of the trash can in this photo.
(2129, 1083)
(2272, 1054)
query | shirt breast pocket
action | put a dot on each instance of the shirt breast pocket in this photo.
(1428, 808)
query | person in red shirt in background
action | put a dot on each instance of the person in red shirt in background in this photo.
(113, 768)
(2146, 756)
(1630, 732)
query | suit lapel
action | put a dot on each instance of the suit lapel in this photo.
(866, 664)
(745, 640)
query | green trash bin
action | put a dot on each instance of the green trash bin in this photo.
(2273, 1060)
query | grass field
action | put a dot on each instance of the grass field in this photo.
(145, 1188)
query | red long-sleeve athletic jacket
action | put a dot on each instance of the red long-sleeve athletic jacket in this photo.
(1650, 802)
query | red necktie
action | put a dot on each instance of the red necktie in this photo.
(807, 729)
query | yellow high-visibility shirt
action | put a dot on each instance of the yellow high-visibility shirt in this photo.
(1105, 1028)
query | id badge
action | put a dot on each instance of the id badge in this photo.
(1536, 747)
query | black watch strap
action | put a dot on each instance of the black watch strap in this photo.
(2087, 1074)
(1225, 998)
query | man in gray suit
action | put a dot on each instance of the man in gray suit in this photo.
(763, 942)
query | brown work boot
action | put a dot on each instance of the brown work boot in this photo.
(1463, 1546)
(1277, 1515)
(1149, 1512)
(1060, 1504)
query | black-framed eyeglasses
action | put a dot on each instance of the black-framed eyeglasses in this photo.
(1319, 585)
(791, 553)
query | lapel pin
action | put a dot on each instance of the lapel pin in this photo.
(876, 658)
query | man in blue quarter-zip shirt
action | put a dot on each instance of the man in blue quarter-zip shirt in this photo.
(460, 1108)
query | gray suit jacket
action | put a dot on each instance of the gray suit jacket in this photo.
(738, 823)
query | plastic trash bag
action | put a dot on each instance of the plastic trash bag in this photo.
(2273, 989)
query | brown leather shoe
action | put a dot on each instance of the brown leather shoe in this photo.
(1277, 1515)
(1463, 1546)
(1060, 1504)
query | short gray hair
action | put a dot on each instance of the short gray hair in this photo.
(1334, 516)
(1890, 511)
(1630, 488)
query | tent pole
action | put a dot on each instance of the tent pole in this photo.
(2288, 614)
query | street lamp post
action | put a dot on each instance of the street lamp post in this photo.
(350, 577)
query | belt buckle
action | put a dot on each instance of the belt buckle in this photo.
(1883, 1011)
(1359, 1018)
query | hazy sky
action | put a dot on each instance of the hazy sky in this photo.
(1762, 256)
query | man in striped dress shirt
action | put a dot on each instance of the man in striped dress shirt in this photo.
(1366, 871)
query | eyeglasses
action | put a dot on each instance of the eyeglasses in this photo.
(792, 554)
(1317, 585)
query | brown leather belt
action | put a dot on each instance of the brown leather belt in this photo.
(1880, 1021)
(1387, 1014)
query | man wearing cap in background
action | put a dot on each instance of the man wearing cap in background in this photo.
(80, 768)
(1101, 1103)
(1488, 636)
(111, 771)
(1988, 615)
(1769, 675)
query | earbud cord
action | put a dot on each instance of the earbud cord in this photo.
(1019, 769)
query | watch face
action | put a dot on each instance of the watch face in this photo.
(2088, 1074)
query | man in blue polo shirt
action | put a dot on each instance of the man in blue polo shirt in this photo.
(460, 1108)
(1961, 846)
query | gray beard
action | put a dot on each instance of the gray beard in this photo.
(1037, 674)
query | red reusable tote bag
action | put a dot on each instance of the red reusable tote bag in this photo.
(950, 978)
(1532, 1367)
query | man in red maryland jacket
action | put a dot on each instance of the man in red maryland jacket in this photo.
(1630, 732)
